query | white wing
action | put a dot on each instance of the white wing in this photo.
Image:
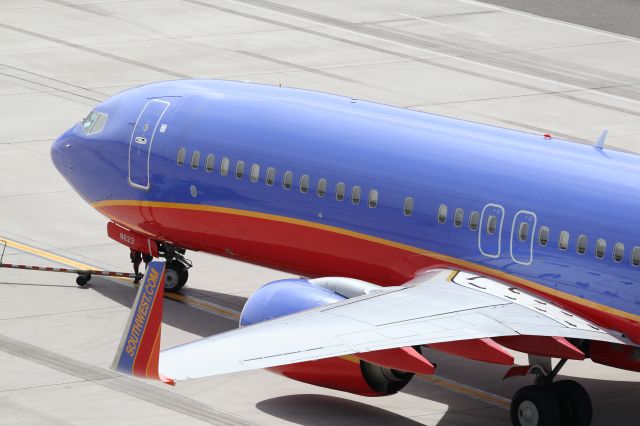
(437, 306)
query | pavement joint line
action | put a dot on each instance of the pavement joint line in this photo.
(434, 62)
(434, 22)
(448, 384)
(34, 193)
(48, 385)
(96, 375)
(5, 66)
(87, 49)
(51, 87)
(59, 313)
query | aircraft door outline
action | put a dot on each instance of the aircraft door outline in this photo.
(491, 219)
(521, 251)
(141, 141)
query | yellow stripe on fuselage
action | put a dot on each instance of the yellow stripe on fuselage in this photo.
(464, 264)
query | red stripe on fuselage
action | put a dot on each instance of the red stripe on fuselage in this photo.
(311, 251)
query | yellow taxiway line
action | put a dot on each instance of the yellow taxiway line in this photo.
(451, 385)
(45, 254)
(182, 298)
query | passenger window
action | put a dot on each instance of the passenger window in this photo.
(224, 166)
(492, 223)
(442, 213)
(287, 181)
(458, 218)
(563, 240)
(543, 236)
(408, 206)
(181, 154)
(304, 184)
(239, 169)
(340, 191)
(195, 160)
(601, 248)
(255, 172)
(618, 252)
(209, 163)
(474, 220)
(355, 195)
(373, 198)
(322, 187)
(635, 256)
(582, 244)
(270, 176)
(523, 231)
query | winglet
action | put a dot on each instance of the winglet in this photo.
(139, 349)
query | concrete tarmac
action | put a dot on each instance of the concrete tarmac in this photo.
(458, 58)
(620, 17)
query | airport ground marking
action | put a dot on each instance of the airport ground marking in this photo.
(182, 298)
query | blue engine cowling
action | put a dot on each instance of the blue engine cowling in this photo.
(284, 297)
(288, 296)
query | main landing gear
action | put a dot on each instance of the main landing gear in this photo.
(176, 271)
(548, 403)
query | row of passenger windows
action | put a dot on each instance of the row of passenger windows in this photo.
(408, 207)
(287, 178)
(599, 250)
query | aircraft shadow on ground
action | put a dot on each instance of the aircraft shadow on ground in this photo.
(614, 402)
(310, 409)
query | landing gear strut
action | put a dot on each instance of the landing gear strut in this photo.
(548, 403)
(176, 269)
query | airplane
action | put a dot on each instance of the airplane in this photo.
(407, 229)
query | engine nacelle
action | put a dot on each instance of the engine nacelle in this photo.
(346, 373)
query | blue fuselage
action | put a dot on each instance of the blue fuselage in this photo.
(507, 177)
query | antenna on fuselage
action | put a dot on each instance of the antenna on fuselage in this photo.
(600, 142)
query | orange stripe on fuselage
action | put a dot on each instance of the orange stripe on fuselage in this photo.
(105, 207)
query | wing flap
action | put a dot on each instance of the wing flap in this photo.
(438, 306)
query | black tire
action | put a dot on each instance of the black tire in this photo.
(175, 276)
(82, 280)
(574, 401)
(535, 406)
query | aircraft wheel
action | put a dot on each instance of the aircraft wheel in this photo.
(575, 404)
(175, 276)
(535, 406)
(82, 280)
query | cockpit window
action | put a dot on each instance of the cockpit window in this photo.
(94, 123)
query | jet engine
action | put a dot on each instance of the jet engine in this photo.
(348, 373)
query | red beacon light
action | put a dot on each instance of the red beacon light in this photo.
(547, 136)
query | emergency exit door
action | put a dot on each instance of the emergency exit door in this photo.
(490, 235)
(522, 234)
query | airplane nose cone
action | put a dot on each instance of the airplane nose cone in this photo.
(60, 154)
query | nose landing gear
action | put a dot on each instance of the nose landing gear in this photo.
(176, 275)
(176, 268)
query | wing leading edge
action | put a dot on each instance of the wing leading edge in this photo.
(437, 306)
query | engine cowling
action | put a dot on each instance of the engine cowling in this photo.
(346, 373)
